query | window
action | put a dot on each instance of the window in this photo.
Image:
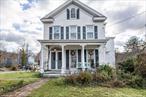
(73, 32)
(90, 31)
(73, 15)
(56, 32)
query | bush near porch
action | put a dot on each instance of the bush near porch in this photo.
(106, 76)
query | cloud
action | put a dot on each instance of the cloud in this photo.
(20, 20)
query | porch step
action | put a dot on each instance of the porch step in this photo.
(51, 75)
(53, 72)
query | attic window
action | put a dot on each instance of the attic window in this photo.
(73, 11)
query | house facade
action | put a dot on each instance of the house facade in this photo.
(74, 40)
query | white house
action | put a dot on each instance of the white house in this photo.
(74, 40)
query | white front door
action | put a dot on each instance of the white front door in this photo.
(56, 59)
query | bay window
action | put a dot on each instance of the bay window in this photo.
(90, 31)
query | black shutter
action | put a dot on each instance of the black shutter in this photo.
(78, 13)
(79, 32)
(68, 14)
(96, 58)
(96, 32)
(85, 55)
(79, 55)
(84, 32)
(67, 32)
(62, 32)
(50, 33)
(67, 59)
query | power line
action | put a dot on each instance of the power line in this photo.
(140, 29)
(121, 21)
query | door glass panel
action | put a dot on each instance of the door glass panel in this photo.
(59, 60)
(53, 57)
(73, 59)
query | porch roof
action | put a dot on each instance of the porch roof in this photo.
(74, 41)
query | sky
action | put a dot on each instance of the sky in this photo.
(20, 21)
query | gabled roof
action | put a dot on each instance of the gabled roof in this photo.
(77, 3)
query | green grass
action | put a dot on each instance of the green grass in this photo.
(12, 81)
(55, 88)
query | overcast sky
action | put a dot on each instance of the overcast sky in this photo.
(20, 20)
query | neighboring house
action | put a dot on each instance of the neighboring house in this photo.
(74, 39)
(8, 59)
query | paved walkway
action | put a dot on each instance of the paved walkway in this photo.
(26, 90)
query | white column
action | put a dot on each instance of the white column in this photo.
(63, 61)
(102, 54)
(49, 59)
(83, 58)
(42, 59)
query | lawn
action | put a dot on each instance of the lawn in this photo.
(55, 88)
(12, 81)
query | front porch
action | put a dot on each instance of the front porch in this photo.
(67, 58)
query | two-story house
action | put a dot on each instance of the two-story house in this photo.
(74, 39)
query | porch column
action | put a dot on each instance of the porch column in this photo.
(83, 58)
(63, 61)
(42, 59)
(102, 54)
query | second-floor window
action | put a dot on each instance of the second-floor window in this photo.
(56, 32)
(90, 31)
(73, 13)
(73, 32)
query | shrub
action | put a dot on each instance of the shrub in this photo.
(106, 72)
(127, 66)
(84, 78)
(135, 81)
(117, 83)
(71, 79)
(13, 68)
(140, 67)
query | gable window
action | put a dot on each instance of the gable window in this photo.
(56, 32)
(73, 13)
(90, 31)
(73, 32)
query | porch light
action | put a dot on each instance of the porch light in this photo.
(54, 49)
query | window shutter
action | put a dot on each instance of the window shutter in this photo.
(96, 57)
(67, 59)
(84, 32)
(78, 13)
(50, 32)
(68, 14)
(62, 32)
(95, 32)
(79, 32)
(67, 32)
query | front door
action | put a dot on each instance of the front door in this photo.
(56, 60)
(73, 58)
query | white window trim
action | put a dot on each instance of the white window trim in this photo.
(59, 32)
(70, 32)
(87, 32)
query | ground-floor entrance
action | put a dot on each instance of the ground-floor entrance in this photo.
(56, 60)
(73, 59)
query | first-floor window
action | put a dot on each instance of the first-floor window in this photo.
(56, 32)
(90, 32)
(73, 32)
